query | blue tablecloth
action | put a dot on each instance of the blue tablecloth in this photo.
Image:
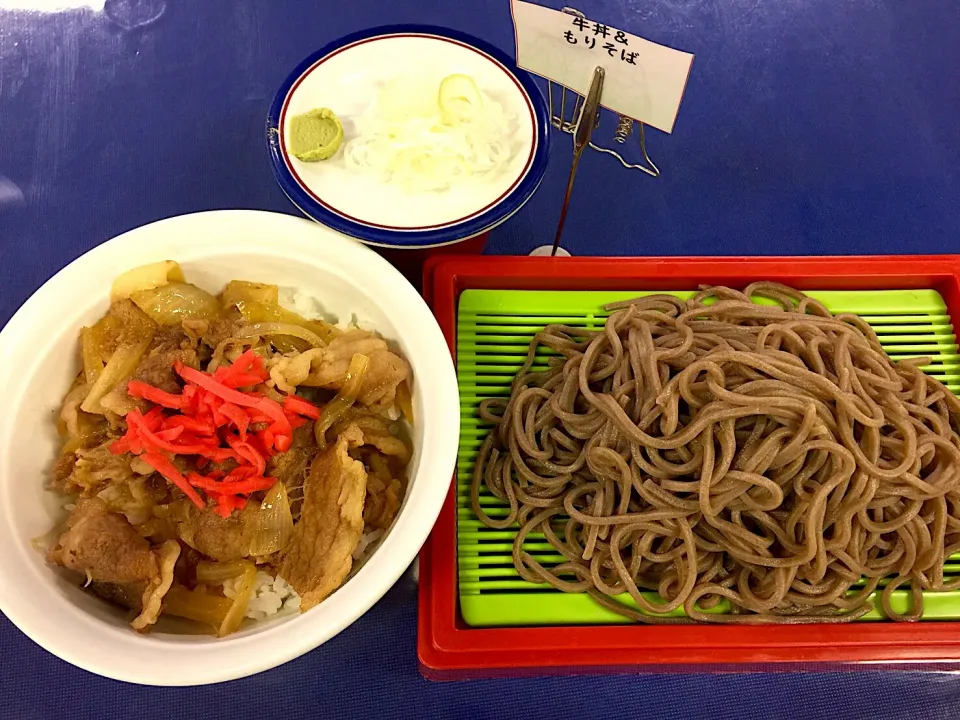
(809, 126)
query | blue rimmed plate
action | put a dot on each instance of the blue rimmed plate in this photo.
(346, 76)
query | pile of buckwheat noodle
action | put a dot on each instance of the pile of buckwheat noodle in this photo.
(714, 448)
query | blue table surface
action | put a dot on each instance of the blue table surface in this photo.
(809, 127)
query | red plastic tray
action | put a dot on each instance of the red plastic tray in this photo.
(448, 649)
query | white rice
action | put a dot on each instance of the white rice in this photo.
(271, 595)
(309, 307)
(300, 303)
(274, 596)
(367, 540)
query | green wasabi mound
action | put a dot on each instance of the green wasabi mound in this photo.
(315, 135)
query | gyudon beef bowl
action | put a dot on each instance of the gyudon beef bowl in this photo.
(226, 436)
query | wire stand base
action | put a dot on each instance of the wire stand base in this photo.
(548, 250)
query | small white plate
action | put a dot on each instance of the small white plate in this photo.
(347, 76)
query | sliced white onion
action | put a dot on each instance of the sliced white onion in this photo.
(408, 139)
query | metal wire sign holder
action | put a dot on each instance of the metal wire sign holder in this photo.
(583, 120)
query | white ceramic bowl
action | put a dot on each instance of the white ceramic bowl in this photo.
(38, 360)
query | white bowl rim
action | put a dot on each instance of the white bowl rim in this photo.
(134, 658)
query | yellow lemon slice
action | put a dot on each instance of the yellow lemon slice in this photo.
(459, 99)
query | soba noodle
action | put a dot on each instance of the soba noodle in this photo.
(772, 456)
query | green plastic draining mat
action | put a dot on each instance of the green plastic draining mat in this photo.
(494, 329)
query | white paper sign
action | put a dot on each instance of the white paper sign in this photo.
(643, 80)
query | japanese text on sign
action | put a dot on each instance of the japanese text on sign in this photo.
(643, 80)
(619, 38)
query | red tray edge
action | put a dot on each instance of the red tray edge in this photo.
(448, 650)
